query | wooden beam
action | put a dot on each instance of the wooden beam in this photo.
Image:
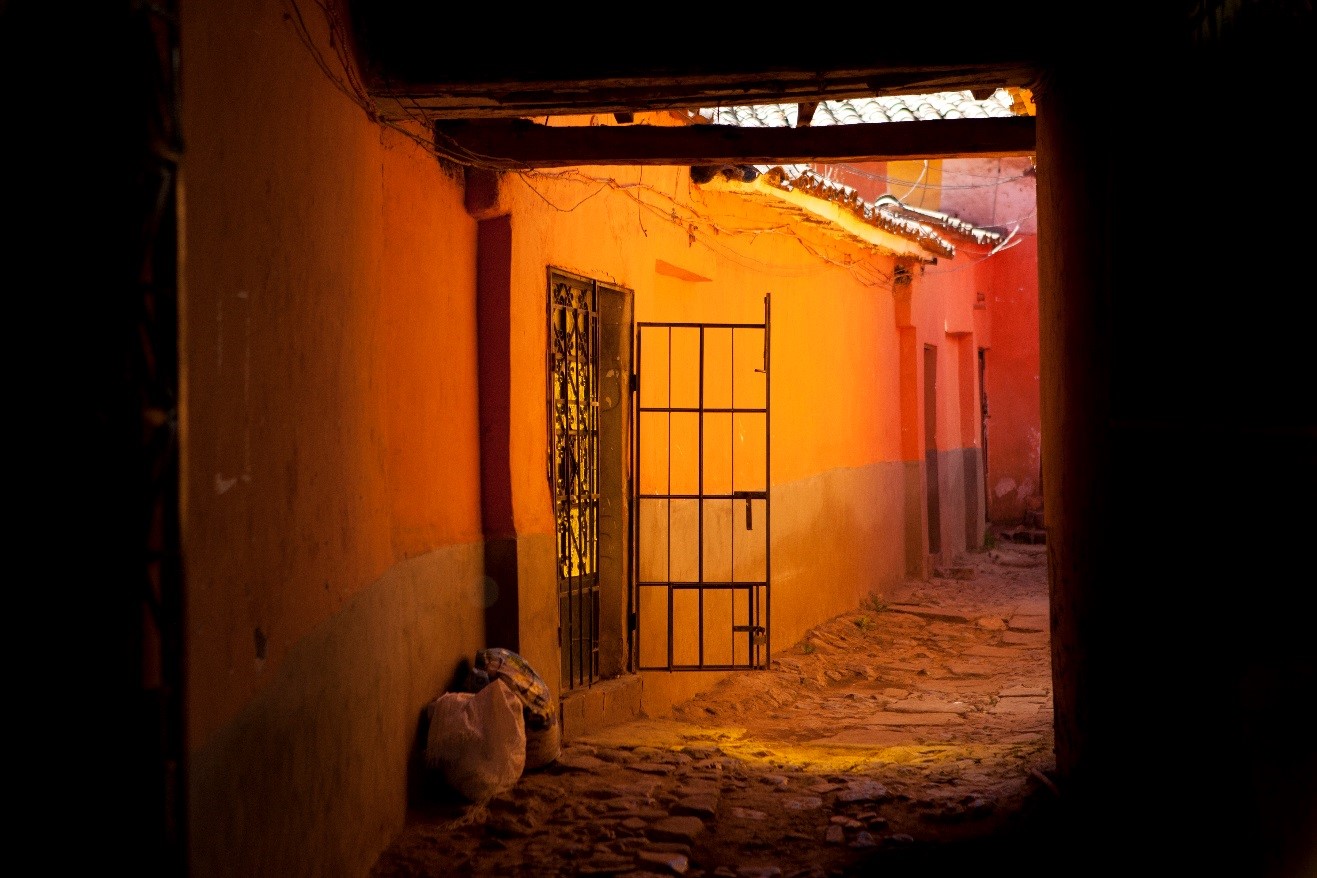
(457, 101)
(523, 144)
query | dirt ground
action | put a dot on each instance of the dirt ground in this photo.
(912, 735)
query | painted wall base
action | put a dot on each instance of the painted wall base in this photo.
(602, 705)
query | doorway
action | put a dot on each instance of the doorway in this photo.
(589, 395)
(702, 500)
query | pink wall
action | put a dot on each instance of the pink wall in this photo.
(1009, 281)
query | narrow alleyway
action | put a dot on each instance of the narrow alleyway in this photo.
(912, 735)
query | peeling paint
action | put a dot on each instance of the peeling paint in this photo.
(1004, 486)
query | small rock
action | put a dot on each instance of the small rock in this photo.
(835, 835)
(618, 804)
(700, 752)
(748, 814)
(803, 803)
(697, 806)
(605, 866)
(682, 828)
(643, 814)
(616, 756)
(673, 862)
(864, 791)
(507, 828)
(863, 840)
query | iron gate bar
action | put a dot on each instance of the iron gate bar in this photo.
(768, 483)
(756, 593)
(699, 508)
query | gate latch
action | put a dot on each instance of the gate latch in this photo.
(748, 496)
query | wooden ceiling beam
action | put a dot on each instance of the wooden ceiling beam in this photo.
(444, 101)
(521, 144)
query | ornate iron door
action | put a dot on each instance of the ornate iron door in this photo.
(574, 410)
(702, 500)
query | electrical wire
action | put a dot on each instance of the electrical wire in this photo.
(698, 226)
(915, 185)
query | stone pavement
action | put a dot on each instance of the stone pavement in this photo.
(912, 735)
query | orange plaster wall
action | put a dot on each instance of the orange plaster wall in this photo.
(329, 402)
(331, 522)
(835, 376)
(427, 368)
(916, 183)
(833, 335)
(834, 381)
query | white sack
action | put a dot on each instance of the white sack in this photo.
(478, 740)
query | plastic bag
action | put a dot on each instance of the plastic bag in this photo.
(543, 734)
(514, 670)
(477, 741)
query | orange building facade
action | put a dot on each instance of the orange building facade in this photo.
(382, 414)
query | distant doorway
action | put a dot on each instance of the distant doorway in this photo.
(930, 450)
(983, 425)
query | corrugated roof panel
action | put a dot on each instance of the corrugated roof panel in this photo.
(892, 108)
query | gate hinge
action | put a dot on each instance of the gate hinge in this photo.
(635, 382)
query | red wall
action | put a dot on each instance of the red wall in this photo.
(1009, 281)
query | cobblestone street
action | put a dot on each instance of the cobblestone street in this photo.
(912, 735)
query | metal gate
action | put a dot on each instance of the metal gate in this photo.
(702, 502)
(574, 410)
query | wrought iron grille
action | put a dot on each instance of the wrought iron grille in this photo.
(574, 404)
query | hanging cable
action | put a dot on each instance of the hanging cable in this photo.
(916, 183)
